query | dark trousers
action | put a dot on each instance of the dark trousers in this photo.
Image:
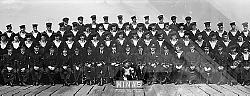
(177, 74)
(77, 73)
(65, 74)
(23, 75)
(8, 75)
(235, 74)
(36, 74)
(51, 74)
(245, 75)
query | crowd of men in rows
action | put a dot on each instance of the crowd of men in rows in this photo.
(99, 53)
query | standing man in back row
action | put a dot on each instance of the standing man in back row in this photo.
(66, 22)
(80, 26)
(174, 26)
(188, 25)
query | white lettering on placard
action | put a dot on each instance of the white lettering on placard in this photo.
(128, 84)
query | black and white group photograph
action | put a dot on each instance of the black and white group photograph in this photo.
(124, 48)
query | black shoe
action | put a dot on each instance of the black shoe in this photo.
(11, 84)
(231, 84)
(52, 84)
(37, 83)
(77, 83)
(175, 83)
(66, 83)
(22, 84)
(243, 84)
(190, 82)
(34, 84)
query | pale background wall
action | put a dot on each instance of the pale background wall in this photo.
(41, 11)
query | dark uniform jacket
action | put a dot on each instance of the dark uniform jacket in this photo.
(51, 59)
(8, 60)
(23, 60)
(36, 59)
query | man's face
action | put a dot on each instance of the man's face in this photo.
(146, 20)
(35, 28)
(76, 51)
(140, 49)
(177, 48)
(153, 27)
(166, 50)
(36, 49)
(206, 49)
(233, 26)
(192, 48)
(106, 20)
(147, 36)
(225, 37)
(48, 28)
(28, 39)
(120, 35)
(22, 29)
(199, 37)
(75, 28)
(135, 36)
(22, 50)
(174, 20)
(245, 50)
(166, 26)
(80, 21)
(160, 36)
(186, 37)
(10, 51)
(82, 37)
(220, 49)
(194, 27)
(51, 50)
(240, 38)
(57, 38)
(70, 38)
(16, 38)
(140, 28)
(3, 38)
(220, 27)
(94, 38)
(245, 27)
(161, 20)
(120, 19)
(181, 27)
(65, 22)
(113, 28)
(134, 19)
(174, 37)
(128, 49)
(94, 20)
(233, 50)
(108, 37)
(88, 29)
(62, 28)
(89, 50)
(100, 27)
(188, 21)
(43, 38)
(9, 28)
(102, 47)
(64, 51)
(127, 27)
(207, 27)
(214, 37)
(152, 49)
(113, 48)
